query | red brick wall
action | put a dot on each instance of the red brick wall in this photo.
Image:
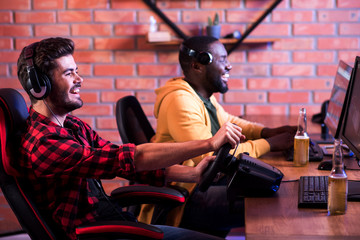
(296, 70)
(115, 60)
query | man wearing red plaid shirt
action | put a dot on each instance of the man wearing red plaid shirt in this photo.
(63, 158)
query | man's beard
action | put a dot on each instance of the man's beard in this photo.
(61, 102)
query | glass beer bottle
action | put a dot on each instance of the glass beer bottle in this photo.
(301, 141)
(338, 184)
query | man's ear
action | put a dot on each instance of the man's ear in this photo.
(197, 66)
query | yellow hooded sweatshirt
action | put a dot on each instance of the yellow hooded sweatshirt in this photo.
(182, 116)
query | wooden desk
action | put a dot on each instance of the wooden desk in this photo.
(278, 217)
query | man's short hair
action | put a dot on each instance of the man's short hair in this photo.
(197, 43)
(45, 52)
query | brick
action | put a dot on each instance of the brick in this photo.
(349, 28)
(348, 56)
(94, 110)
(135, 83)
(236, 83)
(114, 70)
(113, 96)
(20, 43)
(82, 43)
(242, 16)
(312, 4)
(91, 29)
(293, 70)
(338, 16)
(52, 30)
(6, 82)
(85, 70)
(348, 4)
(92, 56)
(6, 17)
(134, 57)
(267, 56)
(148, 109)
(176, 4)
(292, 16)
(74, 16)
(220, 4)
(88, 4)
(146, 97)
(268, 83)
(236, 110)
(326, 70)
(338, 43)
(126, 4)
(245, 97)
(15, 5)
(88, 120)
(15, 30)
(312, 83)
(114, 43)
(314, 29)
(237, 57)
(98, 83)
(48, 4)
(144, 16)
(249, 70)
(310, 109)
(289, 97)
(265, 109)
(3, 70)
(194, 16)
(316, 57)
(106, 123)
(158, 70)
(89, 97)
(9, 57)
(35, 17)
(131, 29)
(294, 43)
(271, 30)
(114, 16)
(168, 57)
(320, 97)
(6, 43)
(112, 136)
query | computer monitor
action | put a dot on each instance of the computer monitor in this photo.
(333, 116)
(350, 129)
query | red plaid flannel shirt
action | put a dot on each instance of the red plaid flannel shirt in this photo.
(57, 161)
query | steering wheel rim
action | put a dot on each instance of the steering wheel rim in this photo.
(214, 167)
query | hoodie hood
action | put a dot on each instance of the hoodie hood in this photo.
(175, 84)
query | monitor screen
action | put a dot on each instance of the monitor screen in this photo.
(350, 131)
(337, 97)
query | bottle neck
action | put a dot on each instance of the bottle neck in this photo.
(338, 160)
(302, 123)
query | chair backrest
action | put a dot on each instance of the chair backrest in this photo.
(13, 114)
(132, 123)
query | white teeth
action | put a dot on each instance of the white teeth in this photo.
(226, 75)
(76, 90)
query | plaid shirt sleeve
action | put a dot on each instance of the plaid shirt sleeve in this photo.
(80, 152)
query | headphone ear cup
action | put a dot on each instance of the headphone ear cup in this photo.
(44, 84)
(204, 58)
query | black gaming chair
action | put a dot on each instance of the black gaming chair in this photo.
(134, 127)
(13, 114)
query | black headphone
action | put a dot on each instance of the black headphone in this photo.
(203, 58)
(38, 84)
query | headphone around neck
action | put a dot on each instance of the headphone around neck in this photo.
(203, 58)
(38, 84)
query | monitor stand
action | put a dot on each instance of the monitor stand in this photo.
(324, 137)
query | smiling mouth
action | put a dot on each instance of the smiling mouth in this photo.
(225, 77)
(75, 90)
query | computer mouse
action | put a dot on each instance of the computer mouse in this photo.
(325, 164)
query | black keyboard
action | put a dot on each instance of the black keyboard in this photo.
(316, 153)
(313, 192)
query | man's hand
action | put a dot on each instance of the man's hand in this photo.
(202, 166)
(230, 133)
(281, 141)
(271, 132)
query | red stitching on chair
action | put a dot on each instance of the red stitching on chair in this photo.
(120, 229)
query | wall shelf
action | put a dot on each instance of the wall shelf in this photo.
(177, 41)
